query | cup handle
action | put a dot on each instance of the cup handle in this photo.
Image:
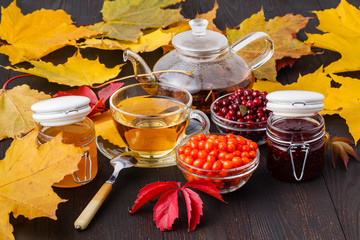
(203, 119)
(265, 55)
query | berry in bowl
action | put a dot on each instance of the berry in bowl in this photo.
(226, 160)
(242, 113)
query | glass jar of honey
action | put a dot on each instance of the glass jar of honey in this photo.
(67, 115)
(295, 135)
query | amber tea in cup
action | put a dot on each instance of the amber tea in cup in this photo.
(152, 118)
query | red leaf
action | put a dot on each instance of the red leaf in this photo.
(166, 210)
(206, 187)
(81, 91)
(151, 191)
(105, 93)
(97, 108)
(194, 207)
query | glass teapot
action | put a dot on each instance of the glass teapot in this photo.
(215, 68)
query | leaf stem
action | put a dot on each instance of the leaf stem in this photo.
(142, 75)
(19, 76)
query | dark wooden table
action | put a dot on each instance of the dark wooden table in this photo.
(265, 208)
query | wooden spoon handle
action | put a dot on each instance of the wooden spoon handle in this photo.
(89, 212)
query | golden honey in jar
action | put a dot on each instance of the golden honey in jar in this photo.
(67, 116)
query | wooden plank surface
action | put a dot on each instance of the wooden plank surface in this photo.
(265, 208)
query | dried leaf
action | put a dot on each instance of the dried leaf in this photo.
(282, 30)
(340, 27)
(15, 113)
(345, 100)
(77, 71)
(124, 19)
(210, 16)
(33, 36)
(105, 127)
(26, 175)
(341, 146)
(146, 43)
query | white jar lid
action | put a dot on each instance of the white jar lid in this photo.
(295, 103)
(61, 110)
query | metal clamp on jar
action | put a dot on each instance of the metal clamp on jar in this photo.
(295, 135)
(68, 115)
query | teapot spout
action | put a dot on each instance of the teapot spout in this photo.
(141, 70)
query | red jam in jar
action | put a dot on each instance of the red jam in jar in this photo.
(295, 132)
(299, 139)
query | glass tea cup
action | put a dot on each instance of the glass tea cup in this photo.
(152, 118)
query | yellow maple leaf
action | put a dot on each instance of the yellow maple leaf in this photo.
(346, 99)
(105, 127)
(124, 19)
(317, 81)
(77, 71)
(146, 43)
(281, 30)
(32, 36)
(26, 175)
(341, 34)
(210, 16)
(15, 112)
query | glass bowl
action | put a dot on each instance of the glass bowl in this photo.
(227, 180)
(256, 131)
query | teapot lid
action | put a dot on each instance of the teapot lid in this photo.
(199, 41)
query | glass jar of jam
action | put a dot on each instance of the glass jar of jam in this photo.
(295, 135)
(67, 115)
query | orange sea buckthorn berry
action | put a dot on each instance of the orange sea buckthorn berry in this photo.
(213, 136)
(188, 160)
(229, 156)
(237, 153)
(237, 161)
(245, 160)
(245, 148)
(222, 155)
(222, 138)
(245, 154)
(201, 137)
(214, 153)
(198, 163)
(230, 147)
(252, 154)
(228, 164)
(194, 153)
(217, 165)
(241, 140)
(209, 146)
(207, 165)
(181, 149)
(202, 145)
(222, 146)
(230, 135)
(194, 144)
(253, 146)
(210, 158)
(202, 154)
(187, 150)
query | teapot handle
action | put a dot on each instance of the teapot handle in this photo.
(265, 55)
